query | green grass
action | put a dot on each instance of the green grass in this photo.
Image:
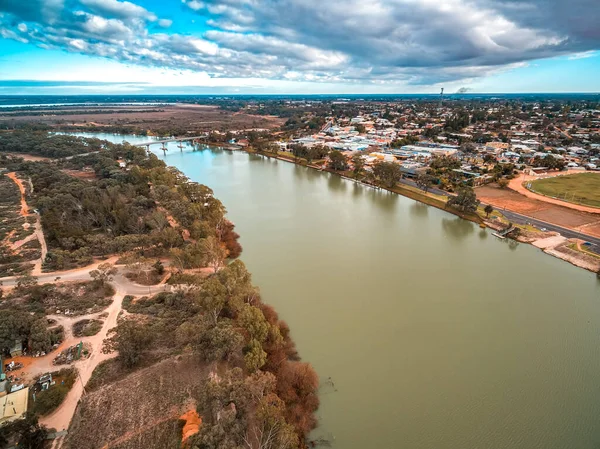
(580, 188)
(574, 247)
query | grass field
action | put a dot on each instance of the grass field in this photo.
(580, 188)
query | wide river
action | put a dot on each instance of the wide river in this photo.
(426, 331)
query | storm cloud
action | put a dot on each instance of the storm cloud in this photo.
(413, 41)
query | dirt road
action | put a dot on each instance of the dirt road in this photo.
(39, 233)
(61, 418)
(516, 184)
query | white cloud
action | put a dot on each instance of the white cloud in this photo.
(419, 42)
(584, 55)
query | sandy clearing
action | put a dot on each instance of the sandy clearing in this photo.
(549, 242)
(29, 157)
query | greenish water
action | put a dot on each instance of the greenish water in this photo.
(434, 333)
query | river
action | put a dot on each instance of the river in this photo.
(426, 331)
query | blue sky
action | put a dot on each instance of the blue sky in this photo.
(298, 46)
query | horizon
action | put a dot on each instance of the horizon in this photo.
(240, 47)
(446, 95)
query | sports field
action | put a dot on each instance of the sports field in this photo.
(579, 188)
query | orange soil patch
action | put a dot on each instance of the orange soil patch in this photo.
(192, 424)
(24, 208)
(562, 216)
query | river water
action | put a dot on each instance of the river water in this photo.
(426, 331)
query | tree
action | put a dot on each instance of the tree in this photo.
(489, 158)
(387, 173)
(270, 429)
(213, 252)
(104, 273)
(130, 339)
(30, 434)
(230, 239)
(503, 183)
(212, 298)
(26, 281)
(255, 356)
(358, 163)
(424, 181)
(360, 128)
(468, 148)
(465, 201)
(488, 210)
(158, 267)
(337, 161)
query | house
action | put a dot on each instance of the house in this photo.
(14, 406)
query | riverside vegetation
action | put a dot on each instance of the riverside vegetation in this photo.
(255, 392)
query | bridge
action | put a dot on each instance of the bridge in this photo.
(165, 141)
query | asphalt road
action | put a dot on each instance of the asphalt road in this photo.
(524, 220)
(565, 232)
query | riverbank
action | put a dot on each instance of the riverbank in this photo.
(433, 289)
(400, 189)
(565, 252)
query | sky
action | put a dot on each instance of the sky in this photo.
(298, 46)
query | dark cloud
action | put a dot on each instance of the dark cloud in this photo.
(416, 42)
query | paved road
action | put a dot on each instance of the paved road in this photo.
(565, 232)
(524, 219)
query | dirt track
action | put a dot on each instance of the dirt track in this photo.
(61, 418)
(37, 269)
(516, 184)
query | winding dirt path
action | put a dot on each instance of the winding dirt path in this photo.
(61, 418)
(516, 184)
(38, 232)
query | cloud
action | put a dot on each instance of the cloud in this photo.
(417, 42)
(584, 55)
(118, 9)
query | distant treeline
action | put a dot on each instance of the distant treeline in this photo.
(34, 112)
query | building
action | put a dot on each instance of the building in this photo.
(14, 406)
(445, 150)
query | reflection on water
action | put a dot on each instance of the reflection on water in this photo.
(419, 209)
(357, 190)
(512, 244)
(457, 227)
(483, 234)
(337, 183)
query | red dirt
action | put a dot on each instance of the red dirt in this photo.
(542, 210)
(24, 208)
(516, 184)
(192, 424)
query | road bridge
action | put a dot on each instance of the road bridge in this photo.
(165, 141)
